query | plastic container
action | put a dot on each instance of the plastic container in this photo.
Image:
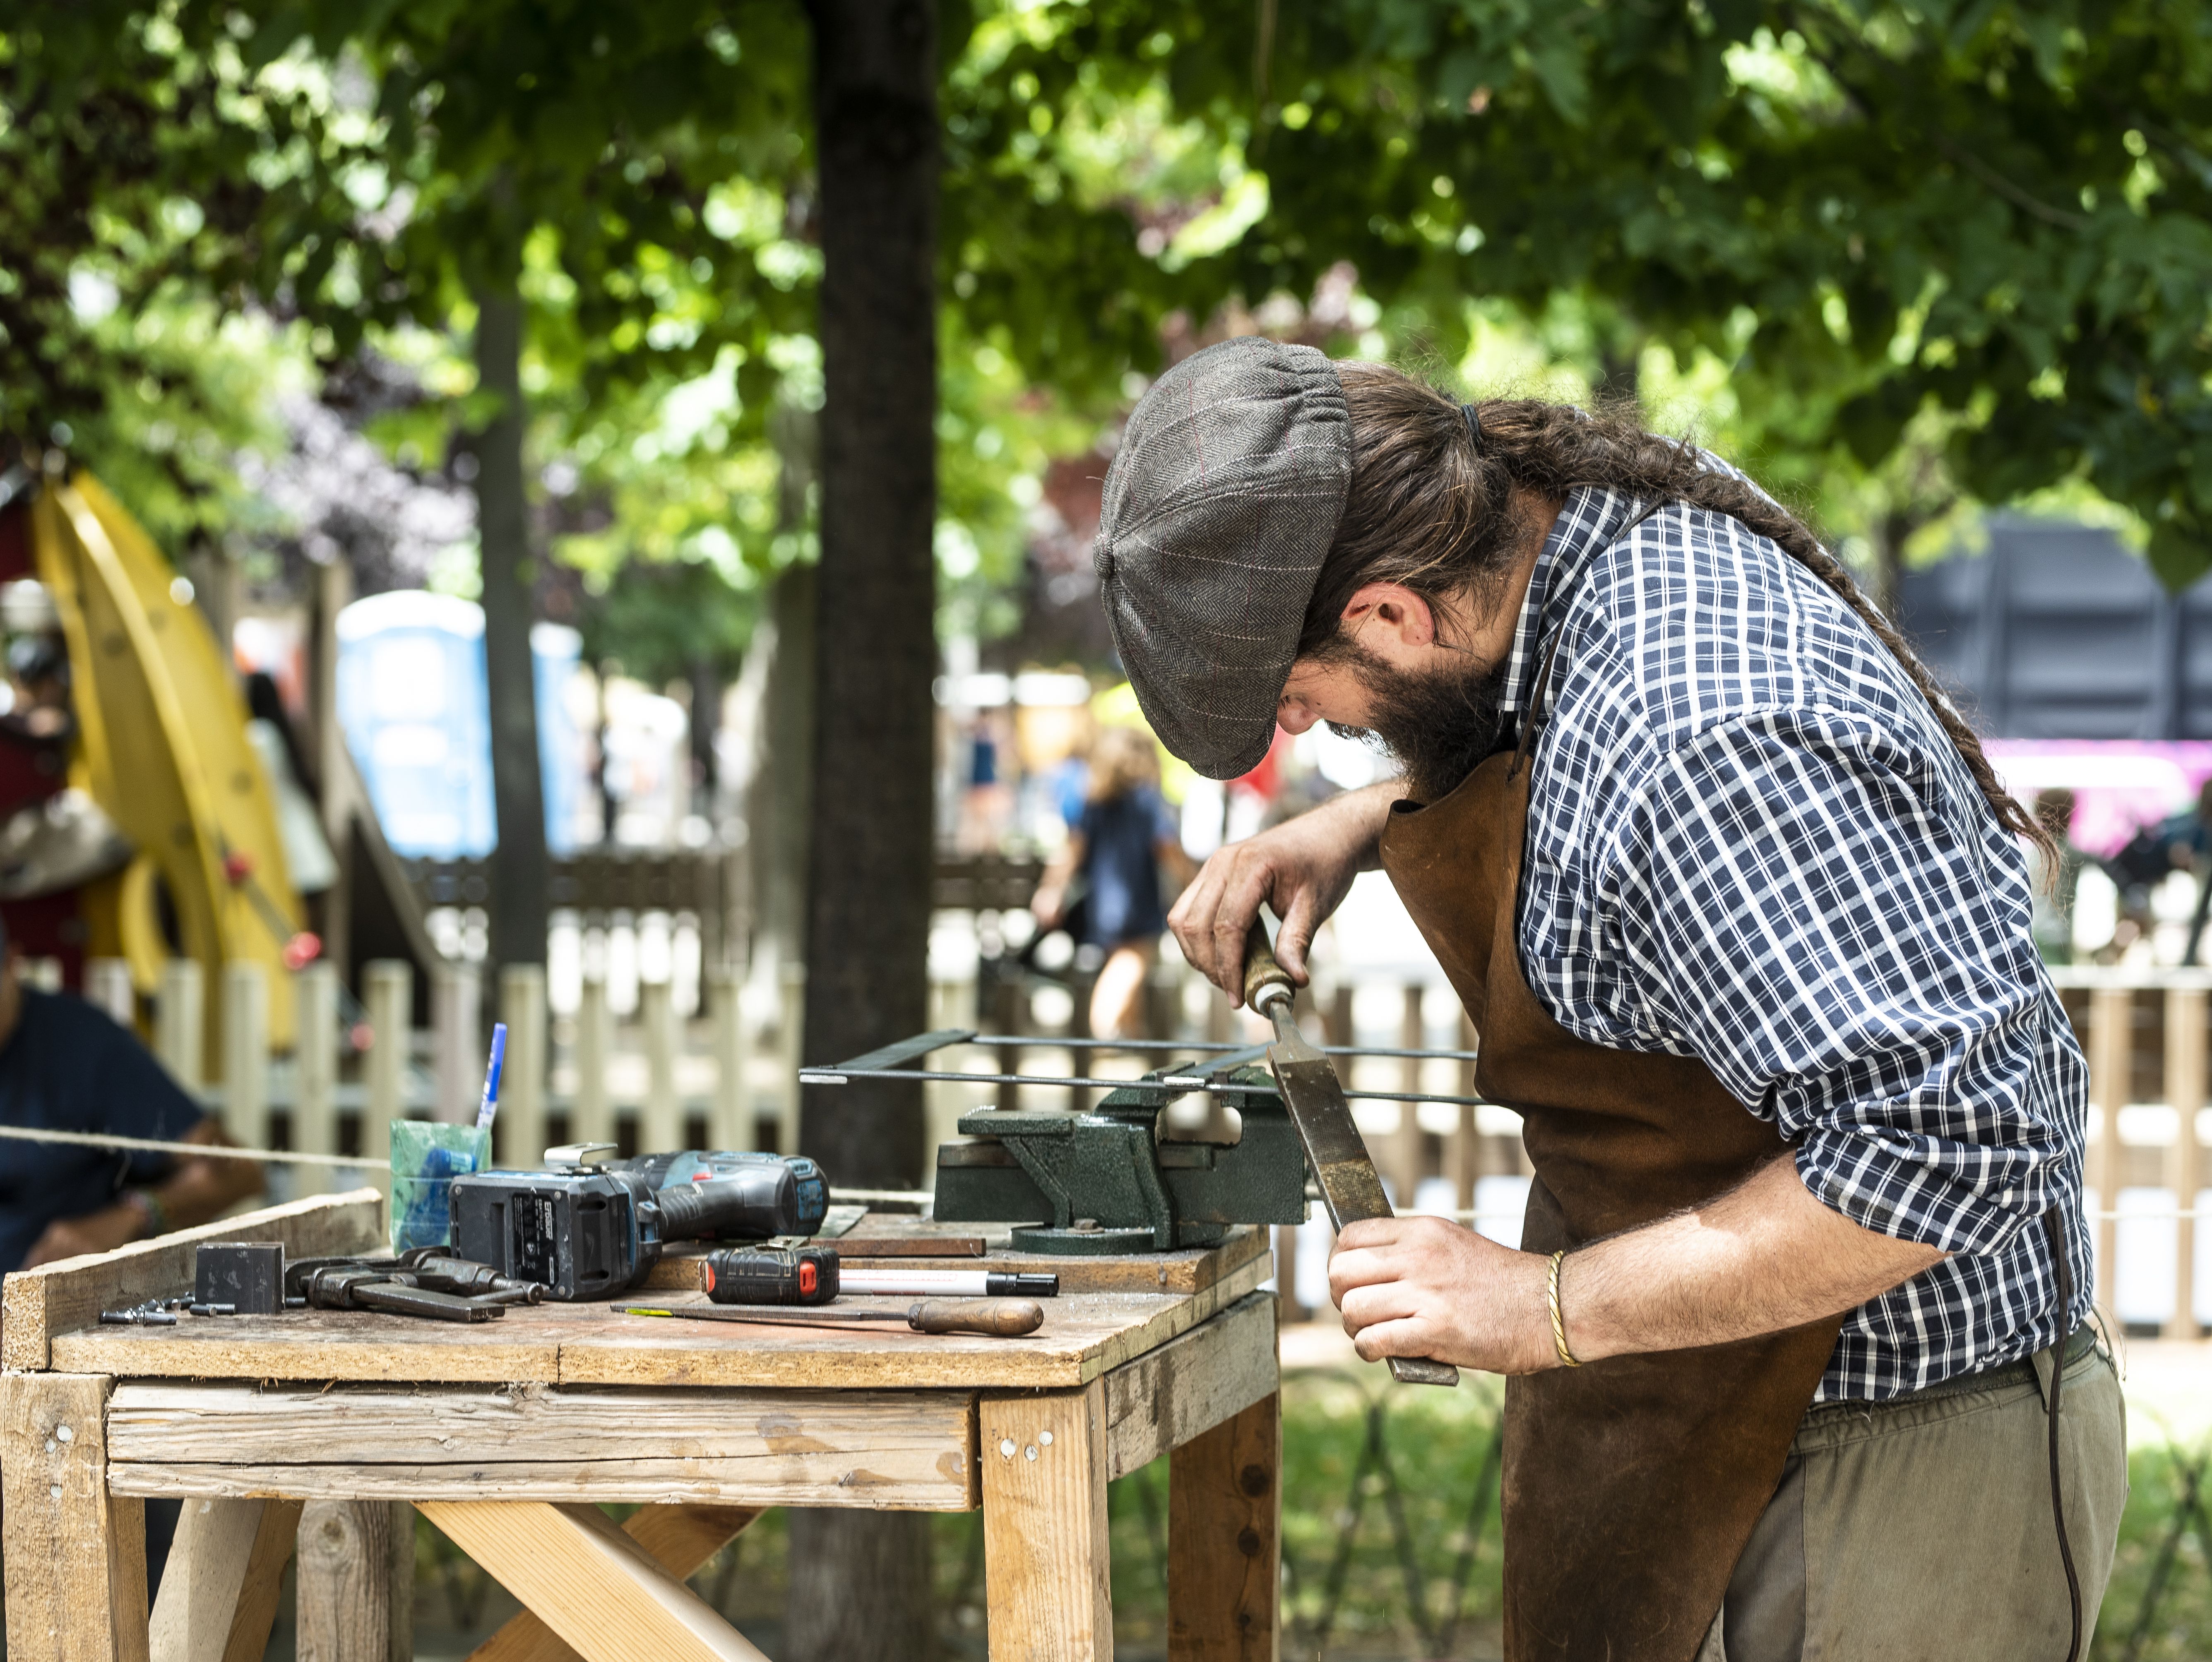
(426, 1155)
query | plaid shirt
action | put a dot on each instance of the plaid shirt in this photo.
(1751, 841)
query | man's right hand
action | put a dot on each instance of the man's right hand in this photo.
(1302, 869)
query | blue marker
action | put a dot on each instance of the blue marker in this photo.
(490, 1103)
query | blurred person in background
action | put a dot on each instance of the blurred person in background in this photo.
(987, 802)
(2055, 881)
(2156, 853)
(2188, 842)
(1104, 884)
(68, 1066)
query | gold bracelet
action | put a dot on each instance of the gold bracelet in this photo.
(1559, 1320)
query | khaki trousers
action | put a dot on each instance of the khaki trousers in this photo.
(1920, 1530)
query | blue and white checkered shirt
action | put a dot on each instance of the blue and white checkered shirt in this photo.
(1750, 841)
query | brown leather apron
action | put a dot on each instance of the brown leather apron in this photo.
(1631, 1483)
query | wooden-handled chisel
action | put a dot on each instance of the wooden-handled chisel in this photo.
(1315, 1096)
(1004, 1319)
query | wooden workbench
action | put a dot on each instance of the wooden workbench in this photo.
(504, 1435)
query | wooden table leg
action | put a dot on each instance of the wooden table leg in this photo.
(1225, 1547)
(1045, 1555)
(74, 1555)
(218, 1598)
(357, 1582)
(680, 1538)
(596, 1587)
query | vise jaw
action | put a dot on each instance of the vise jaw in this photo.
(1105, 1182)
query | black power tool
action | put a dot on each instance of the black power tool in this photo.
(589, 1230)
(665, 1171)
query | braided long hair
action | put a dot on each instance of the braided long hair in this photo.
(1430, 509)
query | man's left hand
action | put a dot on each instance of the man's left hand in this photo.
(1422, 1287)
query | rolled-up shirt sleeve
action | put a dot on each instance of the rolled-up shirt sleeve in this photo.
(1802, 905)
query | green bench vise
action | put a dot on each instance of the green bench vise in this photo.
(1105, 1182)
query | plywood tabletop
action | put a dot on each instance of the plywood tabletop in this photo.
(1085, 1335)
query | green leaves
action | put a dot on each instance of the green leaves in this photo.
(1997, 211)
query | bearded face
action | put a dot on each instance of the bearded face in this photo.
(1437, 724)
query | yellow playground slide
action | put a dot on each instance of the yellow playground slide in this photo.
(162, 749)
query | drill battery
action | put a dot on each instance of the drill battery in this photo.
(771, 1275)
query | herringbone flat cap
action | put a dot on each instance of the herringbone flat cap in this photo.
(1219, 509)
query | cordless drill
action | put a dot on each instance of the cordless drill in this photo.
(587, 1229)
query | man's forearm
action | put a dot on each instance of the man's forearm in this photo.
(1365, 816)
(1763, 1258)
(199, 1191)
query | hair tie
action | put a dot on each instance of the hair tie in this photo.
(1474, 425)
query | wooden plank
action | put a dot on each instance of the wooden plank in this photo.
(357, 1582)
(320, 1344)
(39, 1305)
(909, 1451)
(219, 1588)
(1181, 1316)
(1224, 1539)
(681, 1539)
(1191, 1270)
(1189, 1385)
(73, 1556)
(597, 1588)
(1045, 1552)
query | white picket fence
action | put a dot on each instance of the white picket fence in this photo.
(723, 1075)
(721, 1080)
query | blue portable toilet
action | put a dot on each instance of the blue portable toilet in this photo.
(415, 707)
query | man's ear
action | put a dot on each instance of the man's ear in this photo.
(1390, 621)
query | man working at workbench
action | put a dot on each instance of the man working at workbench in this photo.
(1738, 911)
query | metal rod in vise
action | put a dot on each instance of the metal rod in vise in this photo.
(1170, 1083)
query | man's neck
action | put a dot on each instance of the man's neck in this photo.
(1485, 621)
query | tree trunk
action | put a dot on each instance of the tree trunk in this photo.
(868, 897)
(1890, 533)
(860, 1587)
(520, 871)
(707, 687)
(1619, 368)
(779, 795)
(860, 1590)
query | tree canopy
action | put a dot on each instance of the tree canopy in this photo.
(1967, 237)
(1863, 210)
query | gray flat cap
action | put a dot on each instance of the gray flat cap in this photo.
(1219, 509)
